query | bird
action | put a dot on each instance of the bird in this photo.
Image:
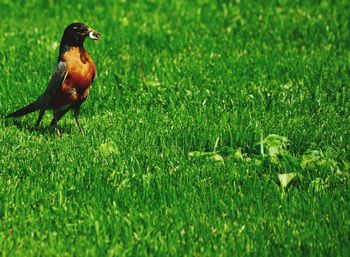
(70, 83)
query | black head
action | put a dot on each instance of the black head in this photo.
(75, 34)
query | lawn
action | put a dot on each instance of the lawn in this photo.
(214, 128)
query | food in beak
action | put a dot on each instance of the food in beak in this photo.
(94, 35)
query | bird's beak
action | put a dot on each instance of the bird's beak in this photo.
(93, 34)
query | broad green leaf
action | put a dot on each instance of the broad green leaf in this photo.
(274, 150)
(210, 155)
(109, 148)
(275, 144)
(274, 159)
(309, 158)
(217, 157)
(286, 178)
(239, 154)
(257, 162)
(200, 154)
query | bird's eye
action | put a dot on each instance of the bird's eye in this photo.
(75, 28)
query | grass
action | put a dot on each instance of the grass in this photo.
(185, 162)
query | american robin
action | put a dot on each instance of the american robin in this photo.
(70, 83)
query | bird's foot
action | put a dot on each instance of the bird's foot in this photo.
(58, 132)
(79, 126)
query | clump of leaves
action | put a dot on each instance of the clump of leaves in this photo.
(273, 151)
(317, 159)
(275, 144)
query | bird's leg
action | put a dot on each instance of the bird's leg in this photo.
(76, 116)
(54, 123)
(57, 131)
(57, 115)
(40, 117)
(56, 127)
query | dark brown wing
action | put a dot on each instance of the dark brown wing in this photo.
(54, 85)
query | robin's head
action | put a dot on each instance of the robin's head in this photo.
(75, 34)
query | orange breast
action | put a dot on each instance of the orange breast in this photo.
(81, 73)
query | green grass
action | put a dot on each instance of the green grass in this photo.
(220, 77)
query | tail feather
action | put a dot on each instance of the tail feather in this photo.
(25, 110)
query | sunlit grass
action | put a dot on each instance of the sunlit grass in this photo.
(214, 128)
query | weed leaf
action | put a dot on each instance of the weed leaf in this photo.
(275, 144)
(215, 156)
(109, 148)
(286, 178)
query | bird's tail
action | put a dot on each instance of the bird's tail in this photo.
(25, 110)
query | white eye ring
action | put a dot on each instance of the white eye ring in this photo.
(75, 28)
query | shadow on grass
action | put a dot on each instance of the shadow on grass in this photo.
(43, 129)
